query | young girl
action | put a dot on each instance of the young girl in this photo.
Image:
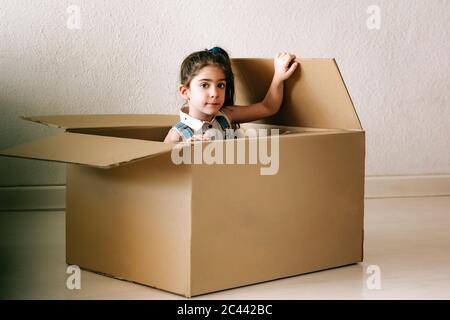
(207, 85)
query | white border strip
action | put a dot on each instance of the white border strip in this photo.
(25, 198)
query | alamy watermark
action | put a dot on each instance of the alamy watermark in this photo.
(373, 22)
(74, 280)
(74, 20)
(263, 148)
(373, 282)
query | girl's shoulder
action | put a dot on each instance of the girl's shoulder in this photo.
(226, 113)
(173, 135)
(183, 131)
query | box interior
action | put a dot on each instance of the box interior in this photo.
(159, 133)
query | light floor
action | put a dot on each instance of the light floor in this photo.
(408, 239)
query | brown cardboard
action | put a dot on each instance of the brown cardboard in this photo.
(194, 229)
(315, 97)
(92, 150)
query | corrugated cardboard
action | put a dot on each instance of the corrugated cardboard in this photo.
(133, 214)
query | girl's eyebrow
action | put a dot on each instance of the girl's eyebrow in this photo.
(211, 80)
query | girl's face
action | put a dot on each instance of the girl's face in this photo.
(206, 92)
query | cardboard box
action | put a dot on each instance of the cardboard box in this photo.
(133, 214)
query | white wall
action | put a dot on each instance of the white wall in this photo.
(126, 56)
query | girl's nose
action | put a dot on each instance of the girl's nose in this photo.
(214, 92)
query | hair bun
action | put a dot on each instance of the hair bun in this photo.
(216, 51)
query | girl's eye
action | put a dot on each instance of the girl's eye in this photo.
(221, 85)
(204, 85)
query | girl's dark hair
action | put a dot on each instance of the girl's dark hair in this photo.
(194, 62)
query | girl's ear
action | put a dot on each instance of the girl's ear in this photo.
(184, 91)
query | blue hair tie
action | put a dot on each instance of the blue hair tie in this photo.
(214, 51)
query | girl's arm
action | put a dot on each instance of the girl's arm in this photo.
(272, 102)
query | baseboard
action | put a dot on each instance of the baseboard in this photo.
(407, 186)
(25, 198)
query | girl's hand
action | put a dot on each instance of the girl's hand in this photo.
(281, 64)
(197, 137)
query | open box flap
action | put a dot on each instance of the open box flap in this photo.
(106, 120)
(315, 96)
(91, 150)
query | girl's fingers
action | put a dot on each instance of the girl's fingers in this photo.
(292, 68)
(197, 138)
(286, 63)
(286, 58)
(290, 57)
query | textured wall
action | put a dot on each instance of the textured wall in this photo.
(126, 56)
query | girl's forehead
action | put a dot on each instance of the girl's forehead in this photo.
(210, 72)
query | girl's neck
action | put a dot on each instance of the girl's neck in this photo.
(199, 115)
